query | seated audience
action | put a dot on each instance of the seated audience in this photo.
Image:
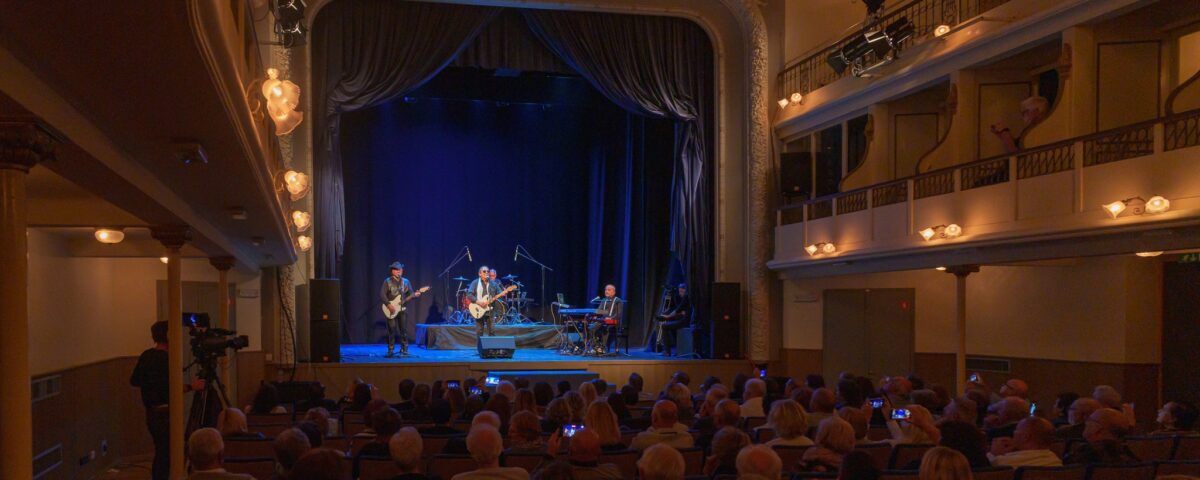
(1103, 433)
(406, 389)
(927, 399)
(941, 463)
(499, 404)
(1028, 447)
(316, 439)
(577, 406)
(1015, 387)
(678, 392)
(859, 421)
(601, 420)
(360, 394)
(739, 386)
(1062, 405)
(386, 423)
(1176, 418)
(708, 405)
(1033, 110)
(965, 438)
(601, 387)
(542, 394)
(289, 446)
(320, 417)
(558, 413)
(616, 402)
(897, 389)
(821, 406)
(405, 448)
(583, 453)
(638, 383)
(419, 410)
(848, 394)
(982, 398)
(232, 424)
(726, 444)
(458, 445)
(630, 394)
(1080, 410)
(319, 464)
(919, 427)
(456, 399)
(525, 434)
(858, 465)
(266, 400)
(759, 460)
(485, 444)
(790, 423)
(556, 470)
(525, 402)
(664, 428)
(962, 409)
(507, 389)
(752, 398)
(1108, 397)
(660, 462)
(835, 438)
(588, 392)
(439, 416)
(368, 414)
(472, 406)
(1004, 415)
(814, 381)
(727, 414)
(206, 450)
(563, 387)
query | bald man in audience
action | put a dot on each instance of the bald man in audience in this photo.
(1029, 446)
(584, 453)
(405, 448)
(1077, 414)
(485, 444)
(660, 462)
(289, 446)
(1104, 430)
(664, 428)
(821, 406)
(752, 398)
(1004, 415)
(759, 460)
(726, 414)
(206, 450)
(1015, 387)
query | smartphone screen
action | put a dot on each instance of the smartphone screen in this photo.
(570, 430)
(1032, 408)
(877, 402)
(491, 381)
(452, 384)
(974, 377)
(476, 391)
(762, 373)
(901, 414)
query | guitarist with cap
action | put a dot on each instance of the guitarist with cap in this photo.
(396, 286)
(482, 291)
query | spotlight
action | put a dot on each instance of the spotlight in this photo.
(109, 235)
(828, 248)
(1115, 208)
(783, 103)
(302, 220)
(941, 31)
(1157, 204)
(303, 243)
(164, 260)
(296, 184)
(1148, 254)
(796, 97)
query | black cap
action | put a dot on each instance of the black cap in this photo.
(396, 266)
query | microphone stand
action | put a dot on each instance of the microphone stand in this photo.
(522, 252)
(462, 253)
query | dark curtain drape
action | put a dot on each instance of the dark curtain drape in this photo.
(366, 52)
(661, 67)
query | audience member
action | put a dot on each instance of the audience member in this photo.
(1029, 446)
(726, 414)
(588, 392)
(759, 460)
(849, 395)
(640, 384)
(858, 465)
(1062, 405)
(316, 439)
(437, 391)
(660, 462)
(726, 444)
(472, 406)
(563, 387)
(927, 399)
(507, 389)
(525, 434)
(542, 394)
(961, 409)
(1033, 110)
(918, 428)
(859, 421)
(1015, 387)
(835, 438)
(601, 387)
(456, 399)
(664, 428)
(1175, 418)
(739, 386)
(577, 405)
(583, 453)
(485, 444)
(1004, 415)
(752, 398)
(556, 470)
(206, 450)
(1080, 410)
(630, 394)
(439, 416)
(232, 424)
(320, 417)
(406, 388)
(681, 376)
(1108, 397)
(525, 402)
(319, 464)
(678, 392)
(708, 405)
(897, 389)
(790, 423)
(982, 398)
(1103, 432)
(558, 413)
(965, 438)
(814, 381)
(458, 445)
(405, 448)
(499, 404)
(421, 398)
(616, 402)
(521, 382)
(386, 423)
(602, 421)
(289, 446)
(266, 400)
(941, 463)
(821, 406)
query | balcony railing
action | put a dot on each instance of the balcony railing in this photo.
(812, 72)
(1123, 143)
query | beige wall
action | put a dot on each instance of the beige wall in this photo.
(817, 23)
(84, 310)
(1091, 310)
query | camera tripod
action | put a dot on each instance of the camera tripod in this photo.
(209, 402)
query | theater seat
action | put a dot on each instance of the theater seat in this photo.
(447, 466)
(626, 461)
(1141, 471)
(249, 447)
(1151, 448)
(1187, 448)
(881, 453)
(376, 468)
(1070, 472)
(693, 460)
(905, 454)
(261, 468)
(790, 455)
(993, 473)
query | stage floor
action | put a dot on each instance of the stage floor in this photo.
(374, 353)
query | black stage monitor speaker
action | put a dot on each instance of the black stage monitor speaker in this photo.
(497, 347)
(726, 320)
(325, 310)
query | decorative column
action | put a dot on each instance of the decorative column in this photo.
(23, 143)
(173, 238)
(960, 273)
(223, 264)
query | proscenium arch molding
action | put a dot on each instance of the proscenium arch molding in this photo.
(743, 227)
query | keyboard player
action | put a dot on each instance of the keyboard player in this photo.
(610, 309)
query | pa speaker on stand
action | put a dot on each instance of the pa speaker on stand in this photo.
(726, 320)
(325, 310)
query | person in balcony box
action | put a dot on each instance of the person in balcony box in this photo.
(1033, 110)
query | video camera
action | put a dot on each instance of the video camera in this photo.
(210, 343)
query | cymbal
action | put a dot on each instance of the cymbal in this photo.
(459, 279)
(509, 277)
(519, 284)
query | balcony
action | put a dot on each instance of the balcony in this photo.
(1053, 192)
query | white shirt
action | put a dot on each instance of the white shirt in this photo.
(1026, 458)
(479, 289)
(753, 408)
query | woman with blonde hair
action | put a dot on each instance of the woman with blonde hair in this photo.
(941, 463)
(525, 402)
(790, 423)
(835, 438)
(588, 392)
(232, 424)
(576, 404)
(525, 434)
(601, 419)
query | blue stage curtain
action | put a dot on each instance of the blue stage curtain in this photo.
(661, 67)
(367, 52)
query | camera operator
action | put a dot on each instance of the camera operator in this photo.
(152, 375)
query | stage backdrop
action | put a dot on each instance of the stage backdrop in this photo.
(580, 183)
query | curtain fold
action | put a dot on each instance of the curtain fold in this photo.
(366, 52)
(660, 67)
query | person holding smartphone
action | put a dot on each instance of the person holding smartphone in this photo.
(911, 424)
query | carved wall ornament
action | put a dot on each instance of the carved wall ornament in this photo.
(1064, 62)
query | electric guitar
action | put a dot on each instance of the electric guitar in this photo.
(397, 304)
(478, 311)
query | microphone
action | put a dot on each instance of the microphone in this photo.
(516, 251)
(469, 259)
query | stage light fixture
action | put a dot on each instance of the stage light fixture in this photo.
(289, 22)
(302, 220)
(109, 235)
(1148, 254)
(796, 98)
(783, 103)
(928, 233)
(296, 184)
(1157, 204)
(952, 230)
(941, 31)
(304, 243)
(883, 44)
(164, 260)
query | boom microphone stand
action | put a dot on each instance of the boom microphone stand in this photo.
(464, 252)
(522, 252)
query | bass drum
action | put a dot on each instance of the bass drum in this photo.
(500, 312)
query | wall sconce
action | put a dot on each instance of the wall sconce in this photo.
(302, 220)
(941, 31)
(942, 231)
(1148, 254)
(940, 269)
(1137, 206)
(296, 184)
(109, 235)
(823, 248)
(164, 260)
(794, 99)
(303, 243)
(783, 103)
(282, 97)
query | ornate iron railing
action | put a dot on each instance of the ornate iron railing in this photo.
(889, 194)
(1181, 130)
(820, 209)
(982, 174)
(1055, 158)
(852, 202)
(933, 184)
(1119, 144)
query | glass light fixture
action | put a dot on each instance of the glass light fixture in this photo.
(940, 269)
(828, 248)
(811, 249)
(302, 220)
(1157, 204)
(928, 233)
(953, 230)
(783, 103)
(1115, 208)
(282, 98)
(303, 243)
(941, 31)
(296, 184)
(164, 260)
(109, 235)
(796, 97)
(1148, 254)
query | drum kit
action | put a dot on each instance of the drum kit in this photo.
(509, 310)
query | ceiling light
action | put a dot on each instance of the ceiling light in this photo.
(1157, 204)
(823, 248)
(296, 184)
(1148, 254)
(302, 220)
(164, 260)
(109, 235)
(783, 103)
(796, 98)
(941, 31)
(303, 243)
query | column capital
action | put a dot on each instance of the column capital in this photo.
(25, 141)
(221, 263)
(171, 236)
(962, 270)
